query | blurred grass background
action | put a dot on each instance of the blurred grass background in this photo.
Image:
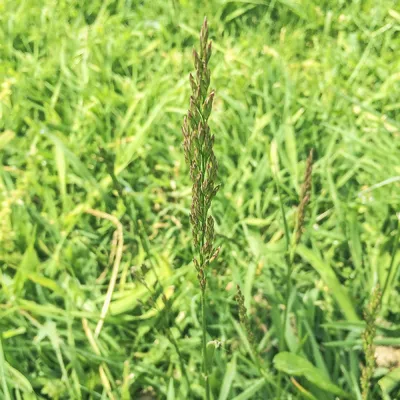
(92, 97)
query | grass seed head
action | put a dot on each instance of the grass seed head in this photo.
(243, 318)
(304, 197)
(368, 336)
(199, 155)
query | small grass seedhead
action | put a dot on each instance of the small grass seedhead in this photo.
(243, 318)
(199, 155)
(368, 336)
(304, 197)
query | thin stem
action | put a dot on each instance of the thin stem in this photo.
(292, 244)
(285, 224)
(289, 266)
(288, 257)
(204, 340)
(180, 356)
(279, 394)
(203, 291)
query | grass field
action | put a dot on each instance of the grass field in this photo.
(92, 99)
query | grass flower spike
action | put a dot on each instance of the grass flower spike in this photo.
(368, 336)
(243, 318)
(199, 155)
(304, 197)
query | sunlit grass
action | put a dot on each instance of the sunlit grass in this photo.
(92, 97)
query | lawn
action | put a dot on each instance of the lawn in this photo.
(99, 296)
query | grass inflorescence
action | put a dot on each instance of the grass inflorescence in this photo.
(370, 315)
(199, 155)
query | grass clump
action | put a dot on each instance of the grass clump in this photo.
(77, 77)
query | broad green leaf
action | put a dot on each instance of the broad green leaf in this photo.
(293, 364)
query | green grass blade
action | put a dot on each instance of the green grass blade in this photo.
(229, 378)
(3, 367)
(252, 390)
(330, 279)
